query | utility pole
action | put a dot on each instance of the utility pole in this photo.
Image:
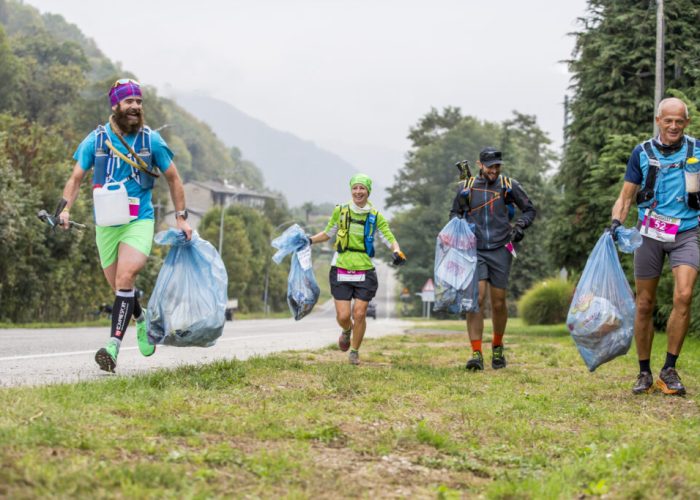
(221, 226)
(660, 84)
(566, 118)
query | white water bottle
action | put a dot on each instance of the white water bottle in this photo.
(111, 204)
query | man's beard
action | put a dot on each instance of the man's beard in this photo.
(122, 120)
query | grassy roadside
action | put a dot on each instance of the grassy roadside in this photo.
(409, 422)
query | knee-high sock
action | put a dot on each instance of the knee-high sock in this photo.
(122, 310)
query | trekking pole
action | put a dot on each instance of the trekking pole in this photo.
(54, 220)
(464, 171)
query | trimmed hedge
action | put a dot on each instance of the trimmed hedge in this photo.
(546, 302)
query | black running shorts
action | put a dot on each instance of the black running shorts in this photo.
(348, 290)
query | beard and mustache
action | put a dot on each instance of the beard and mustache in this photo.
(121, 118)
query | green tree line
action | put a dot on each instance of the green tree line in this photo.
(612, 89)
(53, 91)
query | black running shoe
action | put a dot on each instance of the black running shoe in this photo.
(476, 362)
(498, 360)
(644, 383)
(670, 383)
(344, 341)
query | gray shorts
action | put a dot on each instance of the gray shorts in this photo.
(649, 258)
(494, 266)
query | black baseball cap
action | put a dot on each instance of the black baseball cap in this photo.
(490, 156)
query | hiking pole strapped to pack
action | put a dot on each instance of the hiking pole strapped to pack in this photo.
(53, 220)
(464, 171)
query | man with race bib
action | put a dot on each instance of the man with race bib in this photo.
(355, 226)
(127, 157)
(662, 178)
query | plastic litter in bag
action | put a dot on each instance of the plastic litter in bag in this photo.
(455, 277)
(601, 315)
(628, 239)
(302, 288)
(188, 303)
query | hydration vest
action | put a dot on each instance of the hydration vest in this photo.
(506, 192)
(646, 197)
(342, 238)
(106, 161)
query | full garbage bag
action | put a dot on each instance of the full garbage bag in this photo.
(601, 315)
(302, 288)
(455, 276)
(188, 303)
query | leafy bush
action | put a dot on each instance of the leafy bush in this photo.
(546, 303)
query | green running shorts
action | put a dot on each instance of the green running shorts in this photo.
(137, 234)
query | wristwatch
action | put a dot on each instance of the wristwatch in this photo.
(182, 214)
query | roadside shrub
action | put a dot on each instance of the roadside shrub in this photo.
(546, 303)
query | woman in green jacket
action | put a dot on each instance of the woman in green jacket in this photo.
(352, 276)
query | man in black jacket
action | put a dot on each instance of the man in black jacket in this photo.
(487, 202)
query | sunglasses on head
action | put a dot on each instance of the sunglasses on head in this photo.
(124, 81)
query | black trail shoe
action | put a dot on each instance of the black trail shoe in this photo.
(644, 383)
(344, 341)
(670, 383)
(476, 362)
(498, 360)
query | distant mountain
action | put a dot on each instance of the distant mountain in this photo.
(299, 169)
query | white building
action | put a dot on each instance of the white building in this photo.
(202, 196)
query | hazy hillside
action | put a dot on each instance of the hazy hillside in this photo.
(298, 168)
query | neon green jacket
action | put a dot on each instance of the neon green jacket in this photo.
(355, 259)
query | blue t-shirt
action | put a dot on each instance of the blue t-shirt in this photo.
(160, 152)
(669, 191)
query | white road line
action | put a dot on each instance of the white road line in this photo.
(74, 353)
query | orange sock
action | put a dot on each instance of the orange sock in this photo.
(497, 340)
(476, 345)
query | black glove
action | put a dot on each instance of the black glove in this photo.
(613, 227)
(517, 233)
(399, 258)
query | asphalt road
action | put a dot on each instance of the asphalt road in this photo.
(59, 355)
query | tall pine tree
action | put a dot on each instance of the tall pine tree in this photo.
(613, 86)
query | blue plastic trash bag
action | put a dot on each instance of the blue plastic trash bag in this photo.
(302, 288)
(601, 315)
(455, 276)
(628, 239)
(188, 303)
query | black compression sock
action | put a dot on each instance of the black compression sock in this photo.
(671, 360)
(122, 310)
(644, 366)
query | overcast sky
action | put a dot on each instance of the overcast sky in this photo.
(346, 73)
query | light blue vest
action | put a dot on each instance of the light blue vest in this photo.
(105, 160)
(669, 195)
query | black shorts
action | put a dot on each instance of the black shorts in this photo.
(494, 266)
(348, 290)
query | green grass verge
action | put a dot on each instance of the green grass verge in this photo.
(408, 422)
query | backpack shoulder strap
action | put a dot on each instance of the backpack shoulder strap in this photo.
(654, 166)
(145, 137)
(470, 182)
(690, 147)
(100, 138)
(506, 182)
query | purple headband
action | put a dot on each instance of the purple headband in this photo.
(122, 89)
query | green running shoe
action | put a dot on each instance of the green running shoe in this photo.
(106, 357)
(145, 347)
(476, 362)
(498, 360)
